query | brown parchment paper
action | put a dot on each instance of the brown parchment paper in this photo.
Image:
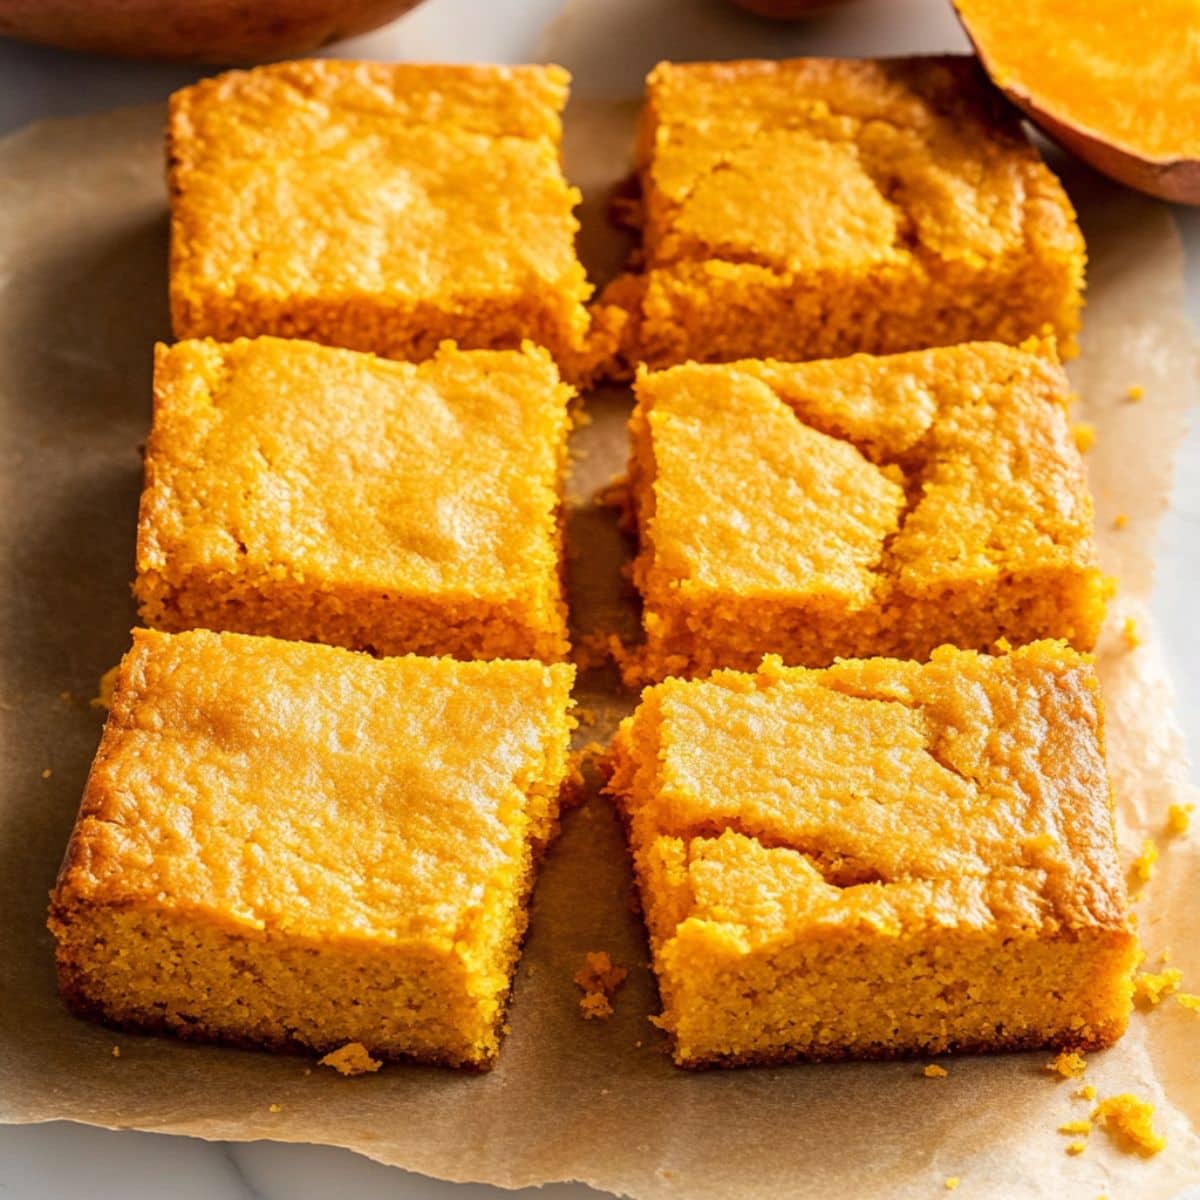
(82, 298)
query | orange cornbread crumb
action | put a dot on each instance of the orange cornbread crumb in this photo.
(1120, 521)
(933, 1071)
(806, 895)
(351, 1059)
(599, 978)
(810, 208)
(317, 494)
(1087, 1092)
(272, 827)
(1070, 1064)
(1084, 434)
(1127, 1120)
(952, 1182)
(104, 689)
(857, 507)
(1076, 1148)
(1135, 392)
(1142, 867)
(1179, 818)
(1130, 634)
(1084, 1127)
(1150, 988)
(378, 206)
(1189, 1000)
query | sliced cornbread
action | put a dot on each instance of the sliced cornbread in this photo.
(882, 858)
(326, 495)
(858, 507)
(819, 207)
(378, 206)
(295, 846)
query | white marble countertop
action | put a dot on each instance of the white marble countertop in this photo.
(610, 54)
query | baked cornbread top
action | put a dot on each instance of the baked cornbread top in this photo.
(824, 478)
(336, 179)
(293, 786)
(882, 771)
(841, 164)
(305, 462)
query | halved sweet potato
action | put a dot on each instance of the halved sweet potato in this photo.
(1114, 81)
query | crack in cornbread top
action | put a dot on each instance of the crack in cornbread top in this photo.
(339, 179)
(890, 772)
(840, 164)
(307, 788)
(303, 462)
(833, 478)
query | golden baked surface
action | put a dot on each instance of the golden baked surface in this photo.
(879, 858)
(340, 825)
(327, 495)
(813, 208)
(860, 506)
(378, 206)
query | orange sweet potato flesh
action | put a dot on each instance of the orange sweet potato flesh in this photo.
(1116, 82)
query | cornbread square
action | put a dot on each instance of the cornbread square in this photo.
(884, 858)
(820, 207)
(858, 507)
(377, 206)
(325, 495)
(295, 846)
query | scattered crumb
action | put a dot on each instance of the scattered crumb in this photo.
(1179, 818)
(1084, 1127)
(592, 649)
(47, 773)
(585, 716)
(1087, 1092)
(1142, 867)
(637, 1045)
(1164, 955)
(351, 1059)
(1135, 392)
(933, 1071)
(1189, 1000)
(599, 978)
(1070, 1064)
(952, 1182)
(1126, 1119)
(1084, 434)
(1076, 1147)
(275, 1108)
(595, 1006)
(308, 1070)
(65, 697)
(1120, 520)
(1131, 634)
(1149, 988)
(1002, 645)
(108, 681)
(116, 1052)
(591, 756)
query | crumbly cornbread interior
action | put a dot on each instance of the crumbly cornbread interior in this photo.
(879, 858)
(814, 208)
(378, 206)
(325, 495)
(858, 507)
(295, 846)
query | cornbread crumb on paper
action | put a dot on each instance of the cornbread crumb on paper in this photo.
(952, 1182)
(1179, 818)
(933, 1071)
(275, 1108)
(1189, 1000)
(104, 689)
(1084, 433)
(1149, 987)
(47, 773)
(599, 977)
(351, 1059)
(1135, 393)
(1127, 1119)
(1142, 868)
(1087, 1092)
(1130, 633)
(1120, 520)
(1075, 1148)
(1084, 1127)
(116, 1052)
(1070, 1064)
